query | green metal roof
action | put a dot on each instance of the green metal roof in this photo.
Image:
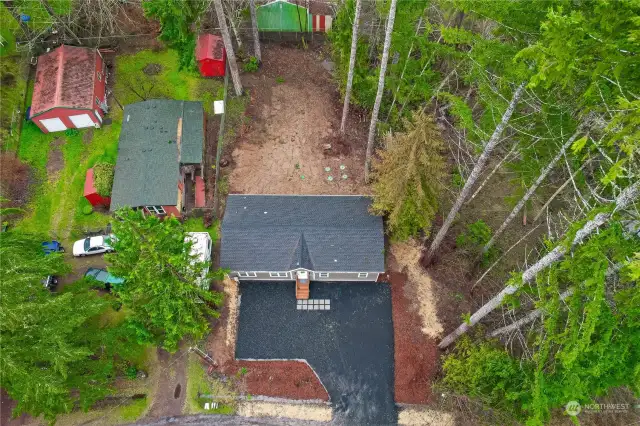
(148, 169)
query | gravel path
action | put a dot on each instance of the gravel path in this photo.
(350, 346)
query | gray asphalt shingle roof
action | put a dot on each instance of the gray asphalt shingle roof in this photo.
(147, 169)
(284, 232)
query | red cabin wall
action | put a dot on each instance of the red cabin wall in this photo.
(97, 200)
(170, 210)
(63, 114)
(212, 67)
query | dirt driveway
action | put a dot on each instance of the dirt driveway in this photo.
(294, 114)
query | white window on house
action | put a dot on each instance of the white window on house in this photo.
(247, 274)
(323, 275)
(278, 274)
(363, 274)
(97, 101)
(159, 210)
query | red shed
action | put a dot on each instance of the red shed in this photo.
(211, 56)
(69, 89)
(91, 193)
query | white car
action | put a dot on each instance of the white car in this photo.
(93, 245)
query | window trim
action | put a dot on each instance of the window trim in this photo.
(323, 275)
(99, 73)
(278, 275)
(159, 210)
(247, 274)
(363, 275)
(97, 101)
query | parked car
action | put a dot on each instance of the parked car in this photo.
(103, 276)
(50, 282)
(52, 247)
(93, 245)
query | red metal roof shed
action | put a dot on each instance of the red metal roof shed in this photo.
(69, 89)
(211, 55)
(91, 193)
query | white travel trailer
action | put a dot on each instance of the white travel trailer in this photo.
(201, 248)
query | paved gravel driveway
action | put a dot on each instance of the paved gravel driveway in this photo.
(349, 346)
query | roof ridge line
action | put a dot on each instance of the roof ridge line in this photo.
(60, 52)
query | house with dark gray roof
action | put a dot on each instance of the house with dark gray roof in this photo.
(160, 155)
(274, 237)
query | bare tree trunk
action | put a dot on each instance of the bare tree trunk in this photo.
(532, 189)
(536, 313)
(352, 62)
(56, 18)
(624, 200)
(559, 190)
(493, 172)
(376, 105)
(235, 32)
(11, 8)
(231, 56)
(475, 174)
(254, 28)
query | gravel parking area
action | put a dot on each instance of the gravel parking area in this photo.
(350, 345)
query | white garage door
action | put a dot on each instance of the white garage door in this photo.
(81, 121)
(53, 124)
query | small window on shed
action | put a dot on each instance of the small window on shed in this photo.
(278, 274)
(99, 76)
(97, 101)
(247, 274)
(323, 274)
(363, 274)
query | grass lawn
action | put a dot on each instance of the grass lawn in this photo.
(195, 224)
(198, 382)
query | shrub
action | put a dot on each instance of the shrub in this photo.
(251, 65)
(131, 372)
(87, 210)
(474, 238)
(488, 372)
(71, 132)
(103, 178)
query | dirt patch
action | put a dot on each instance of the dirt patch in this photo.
(168, 396)
(415, 354)
(292, 411)
(295, 112)
(419, 286)
(152, 69)
(15, 180)
(55, 162)
(8, 80)
(284, 379)
(87, 136)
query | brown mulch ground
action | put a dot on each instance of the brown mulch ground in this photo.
(416, 355)
(282, 379)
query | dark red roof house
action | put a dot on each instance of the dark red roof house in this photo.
(211, 56)
(69, 89)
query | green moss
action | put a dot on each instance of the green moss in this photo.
(134, 410)
(13, 76)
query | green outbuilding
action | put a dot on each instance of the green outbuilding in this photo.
(282, 16)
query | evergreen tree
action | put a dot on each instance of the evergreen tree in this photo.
(408, 177)
(163, 279)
